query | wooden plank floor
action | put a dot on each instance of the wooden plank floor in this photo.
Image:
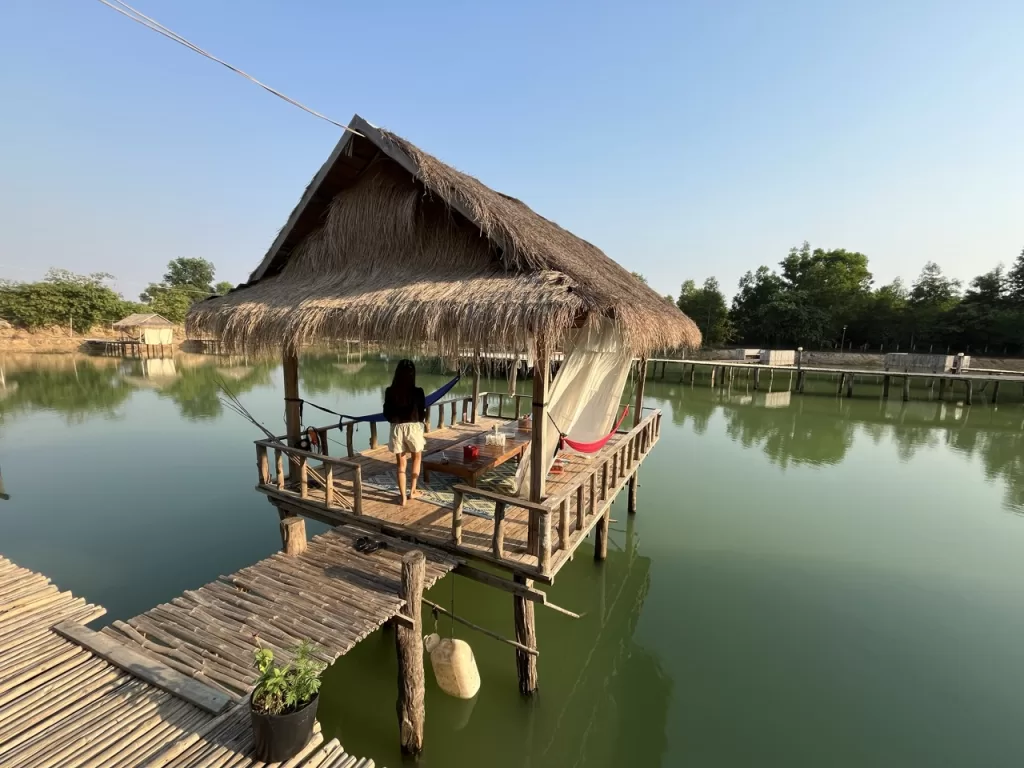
(331, 594)
(432, 523)
(61, 705)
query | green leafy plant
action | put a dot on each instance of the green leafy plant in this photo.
(280, 690)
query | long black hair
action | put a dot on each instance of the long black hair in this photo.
(403, 385)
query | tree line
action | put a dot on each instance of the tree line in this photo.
(63, 298)
(825, 299)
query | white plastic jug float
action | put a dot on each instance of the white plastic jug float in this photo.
(454, 666)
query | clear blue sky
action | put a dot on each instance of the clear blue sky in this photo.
(685, 139)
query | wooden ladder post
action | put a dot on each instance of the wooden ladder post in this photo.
(498, 539)
(263, 464)
(409, 646)
(526, 634)
(457, 518)
(293, 535)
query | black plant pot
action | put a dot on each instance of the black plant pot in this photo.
(282, 737)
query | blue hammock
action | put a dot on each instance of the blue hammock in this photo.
(432, 398)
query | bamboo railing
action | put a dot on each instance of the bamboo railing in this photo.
(330, 469)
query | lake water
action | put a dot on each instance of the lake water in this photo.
(810, 581)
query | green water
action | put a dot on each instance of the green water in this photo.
(809, 582)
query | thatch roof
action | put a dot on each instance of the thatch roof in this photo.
(391, 245)
(139, 320)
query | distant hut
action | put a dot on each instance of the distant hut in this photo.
(148, 329)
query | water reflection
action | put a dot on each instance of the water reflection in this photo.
(74, 388)
(820, 429)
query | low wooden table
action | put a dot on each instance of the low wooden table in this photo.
(490, 457)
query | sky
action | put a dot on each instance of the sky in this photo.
(686, 139)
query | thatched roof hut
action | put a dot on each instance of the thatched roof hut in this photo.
(391, 245)
(142, 320)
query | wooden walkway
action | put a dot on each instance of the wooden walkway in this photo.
(104, 699)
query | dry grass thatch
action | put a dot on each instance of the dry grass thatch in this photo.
(143, 320)
(432, 257)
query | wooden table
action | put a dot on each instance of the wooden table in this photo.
(490, 457)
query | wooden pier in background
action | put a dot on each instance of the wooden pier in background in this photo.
(169, 688)
(722, 373)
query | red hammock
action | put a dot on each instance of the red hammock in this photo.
(597, 445)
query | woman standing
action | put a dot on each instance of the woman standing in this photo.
(405, 406)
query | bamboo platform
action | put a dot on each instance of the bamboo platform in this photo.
(73, 697)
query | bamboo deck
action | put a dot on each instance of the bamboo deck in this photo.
(431, 524)
(62, 704)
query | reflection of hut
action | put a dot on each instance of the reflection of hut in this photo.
(149, 329)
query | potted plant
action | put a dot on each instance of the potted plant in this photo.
(283, 703)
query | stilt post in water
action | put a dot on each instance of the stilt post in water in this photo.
(409, 644)
(638, 415)
(526, 634)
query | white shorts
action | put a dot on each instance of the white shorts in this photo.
(407, 438)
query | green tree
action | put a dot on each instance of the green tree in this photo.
(172, 304)
(757, 291)
(932, 296)
(1015, 280)
(190, 273)
(61, 298)
(707, 308)
(222, 287)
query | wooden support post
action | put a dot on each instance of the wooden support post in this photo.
(476, 391)
(350, 439)
(328, 484)
(538, 454)
(293, 535)
(601, 535)
(292, 405)
(593, 493)
(849, 385)
(357, 491)
(693, 371)
(563, 525)
(325, 444)
(303, 477)
(519, 406)
(581, 510)
(279, 468)
(757, 378)
(440, 415)
(801, 378)
(465, 411)
(906, 388)
(713, 369)
(942, 387)
(839, 387)
(457, 518)
(498, 540)
(263, 464)
(604, 479)
(633, 483)
(969, 394)
(409, 645)
(373, 435)
(544, 536)
(526, 634)
(995, 392)
(453, 421)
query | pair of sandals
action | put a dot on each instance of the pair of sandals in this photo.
(367, 546)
